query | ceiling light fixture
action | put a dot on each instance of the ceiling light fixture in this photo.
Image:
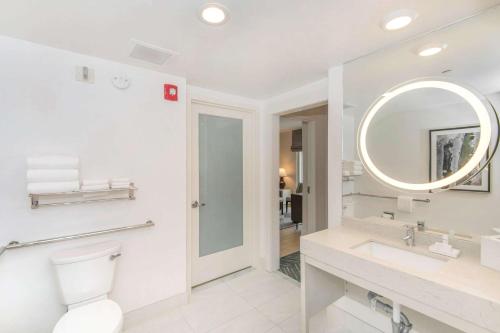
(431, 49)
(214, 14)
(398, 19)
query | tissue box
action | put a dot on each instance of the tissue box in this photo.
(490, 251)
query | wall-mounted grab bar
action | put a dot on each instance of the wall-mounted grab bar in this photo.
(17, 245)
(381, 197)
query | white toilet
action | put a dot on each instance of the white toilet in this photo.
(85, 276)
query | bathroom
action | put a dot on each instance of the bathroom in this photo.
(109, 137)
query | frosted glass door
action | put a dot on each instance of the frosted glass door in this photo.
(220, 183)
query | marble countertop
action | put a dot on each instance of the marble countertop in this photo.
(461, 287)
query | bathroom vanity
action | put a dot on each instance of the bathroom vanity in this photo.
(371, 255)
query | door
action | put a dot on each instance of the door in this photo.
(221, 182)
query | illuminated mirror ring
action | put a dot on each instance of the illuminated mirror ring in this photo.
(479, 107)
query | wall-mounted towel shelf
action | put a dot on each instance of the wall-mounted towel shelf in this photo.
(349, 178)
(79, 197)
(17, 245)
(381, 196)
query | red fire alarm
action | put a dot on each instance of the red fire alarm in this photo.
(170, 92)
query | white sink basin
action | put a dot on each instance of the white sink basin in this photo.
(401, 257)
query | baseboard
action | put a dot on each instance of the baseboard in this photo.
(138, 316)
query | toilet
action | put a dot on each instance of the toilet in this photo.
(85, 277)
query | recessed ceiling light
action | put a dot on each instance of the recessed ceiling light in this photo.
(214, 14)
(398, 19)
(431, 49)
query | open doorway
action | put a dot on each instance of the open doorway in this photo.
(303, 170)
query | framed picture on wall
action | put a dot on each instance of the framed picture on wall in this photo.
(450, 149)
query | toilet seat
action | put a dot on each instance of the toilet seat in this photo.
(98, 317)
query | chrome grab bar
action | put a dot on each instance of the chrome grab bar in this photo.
(381, 197)
(17, 245)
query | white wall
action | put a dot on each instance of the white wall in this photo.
(408, 156)
(131, 133)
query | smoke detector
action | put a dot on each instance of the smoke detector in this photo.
(150, 53)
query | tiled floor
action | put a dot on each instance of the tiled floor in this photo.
(251, 301)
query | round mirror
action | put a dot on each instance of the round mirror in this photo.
(428, 135)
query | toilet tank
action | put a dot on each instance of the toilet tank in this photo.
(86, 272)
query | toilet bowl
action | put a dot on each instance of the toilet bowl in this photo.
(97, 317)
(85, 277)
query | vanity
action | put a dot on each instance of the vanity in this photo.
(360, 255)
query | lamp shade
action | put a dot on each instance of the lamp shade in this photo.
(282, 172)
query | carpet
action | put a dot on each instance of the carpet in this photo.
(290, 265)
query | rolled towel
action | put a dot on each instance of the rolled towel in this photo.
(53, 162)
(97, 187)
(54, 187)
(51, 175)
(86, 182)
(405, 204)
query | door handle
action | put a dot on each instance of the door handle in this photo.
(196, 204)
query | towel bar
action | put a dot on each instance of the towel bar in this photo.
(35, 197)
(17, 245)
(381, 197)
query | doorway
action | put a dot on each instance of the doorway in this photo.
(303, 168)
(221, 157)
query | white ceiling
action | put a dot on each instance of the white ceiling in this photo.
(267, 47)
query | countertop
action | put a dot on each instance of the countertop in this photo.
(462, 287)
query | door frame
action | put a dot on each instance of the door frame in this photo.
(309, 186)
(252, 174)
(273, 257)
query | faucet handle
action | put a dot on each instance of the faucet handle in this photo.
(421, 225)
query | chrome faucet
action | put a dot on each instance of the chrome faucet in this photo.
(390, 214)
(409, 238)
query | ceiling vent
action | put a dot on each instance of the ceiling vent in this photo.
(150, 53)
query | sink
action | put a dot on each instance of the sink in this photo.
(401, 257)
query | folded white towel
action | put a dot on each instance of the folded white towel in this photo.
(53, 162)
(54, 187)
(346, 162)
(97, 187)
(51, 175)
(405, 204)
(120, 180)
(95, 182)
(120, 186)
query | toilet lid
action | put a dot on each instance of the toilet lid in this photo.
(98, 317)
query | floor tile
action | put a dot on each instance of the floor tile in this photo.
(249, 322)
(250, 301)
(169, 322)
(266, 290)
(292, 324)
(283, 307)
(212, 307)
